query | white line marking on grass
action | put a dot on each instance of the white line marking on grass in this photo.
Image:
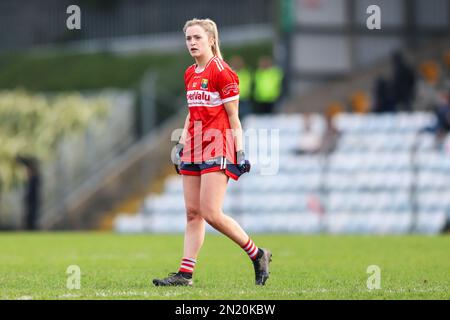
(69, 295)
(120, 294)
(25, 298)
(106, 294)
(412, 290)
(367, 291)
(117, 294)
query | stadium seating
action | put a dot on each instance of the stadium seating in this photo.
(385, 176)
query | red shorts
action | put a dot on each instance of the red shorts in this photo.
(217, 164)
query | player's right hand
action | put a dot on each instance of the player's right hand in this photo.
(177, 153)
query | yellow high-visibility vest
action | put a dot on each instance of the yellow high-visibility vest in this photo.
(245, 84)
(268, 84)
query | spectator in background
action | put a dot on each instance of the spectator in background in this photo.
(383, 97)
(245, 85)
(403, 83)
(32, 191)
(360, 102)
(442, 112)
(309, 142)
(446, 60)
(442, 125)
(314, 143)
(431, 72)
(330, 137)
(429, 84)
(268, 85)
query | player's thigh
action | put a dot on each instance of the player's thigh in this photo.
(212, 192)
(191, 191)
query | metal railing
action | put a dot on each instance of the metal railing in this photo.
(30, 23)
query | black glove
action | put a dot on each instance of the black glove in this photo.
(176, 156)
(242, 164)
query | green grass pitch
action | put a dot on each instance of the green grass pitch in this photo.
(113, 266)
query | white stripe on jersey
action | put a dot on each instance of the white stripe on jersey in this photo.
(201, 98)
(230, 99)
(219, 64)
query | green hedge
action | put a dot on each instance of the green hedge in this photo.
(69, 72)
(33, 124)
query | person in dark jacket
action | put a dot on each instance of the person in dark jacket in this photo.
(403, 83)
(31, 197)
(383, 97)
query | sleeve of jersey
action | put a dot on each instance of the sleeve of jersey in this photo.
(228, 85)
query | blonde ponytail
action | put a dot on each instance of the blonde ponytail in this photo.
(210, 28)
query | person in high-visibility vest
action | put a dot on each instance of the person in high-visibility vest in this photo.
(245, 85)
(268, 85)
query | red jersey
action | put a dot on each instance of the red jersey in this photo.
(209, 134)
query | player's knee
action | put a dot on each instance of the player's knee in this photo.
(193, 214)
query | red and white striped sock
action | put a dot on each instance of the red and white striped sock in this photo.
(251, 249)
(187, 265)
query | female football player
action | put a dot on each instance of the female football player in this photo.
(209, 152)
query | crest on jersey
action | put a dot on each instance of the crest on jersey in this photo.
(204, 84)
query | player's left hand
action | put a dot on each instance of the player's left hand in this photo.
(242, 163)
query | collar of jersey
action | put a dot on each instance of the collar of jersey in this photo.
(206, 66)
